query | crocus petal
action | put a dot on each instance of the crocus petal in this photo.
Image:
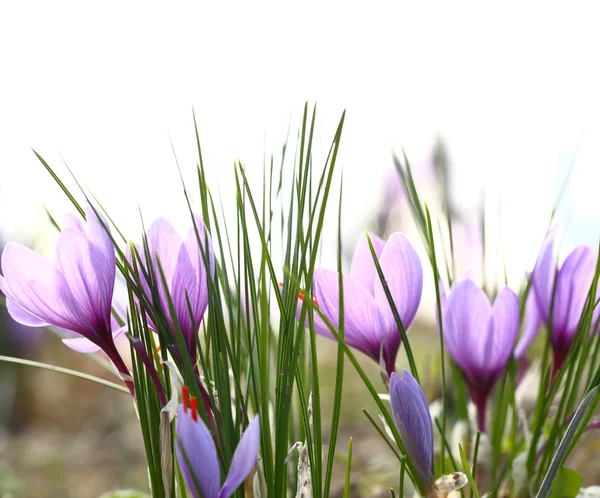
(184, 289)
(21, 316)
(99, 236)
(502, 333)
(543, 276)
(363, 268)
(163, 242)
(37, 287)
(572, 286)
(466, 316)
(191, 242)
(90, 278)
(413, 421)
(363, 326)
(83, 345)
(531, 324)
(244, 459)
(402, 270)
(197, 455)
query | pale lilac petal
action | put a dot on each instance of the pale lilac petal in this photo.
(543, 276)
(37, 287)
(363, 268)
(164, 242)
(184, 288)
(413, 421)
(83, 345)
(502, 334)
(200, 299)
(572, 287)
(244, 459)
(363, 325)
(191, 242)
(403, 272)
(99, 236)
(21, 316)
(90, 278)
(466, 316)
(531, 324)
(195, 445)
(72, 222)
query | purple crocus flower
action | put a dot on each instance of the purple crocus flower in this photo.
(369, 324)
(197, 455)
(183, 267)
(73, 293)
(413, 421)
(480, 337)
(573, 281)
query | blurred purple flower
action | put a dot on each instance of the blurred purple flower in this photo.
(183, 267)
(413, 421)
(197, 455)
(480, 337)
(573, 281)
(531, 325)
(369, 324)
(73, 293)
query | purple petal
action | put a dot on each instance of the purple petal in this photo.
(99, 236)
(363, 326)
(531, 325)
(493, 352)
(543, 276)
(83, 345)
(196, 447)
(37, 288)
(20, 315)
(191, 242)
(90, 277)
(163, 242)
(244, 459)
(413, 421)
(402, 270)
(184, 288)
(466, 316)
(363, 268)
(572, 287)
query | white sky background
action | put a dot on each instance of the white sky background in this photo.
(511, 90)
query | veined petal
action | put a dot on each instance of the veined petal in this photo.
(196, 455)
(88, 275)
(98, 235)
(197, 262)
(191, 242)
(531, 324)
(185, 287)
(83, 345)
(502, 333)
(244, 459)
(363, 268)
(402, 270)
(572, 286)
(19, 314)
(363, 326)
(37, 287)
(164, 243)
(413, 421)
(543, 276)
(466, 316)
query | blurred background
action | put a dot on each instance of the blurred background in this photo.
(508, 93)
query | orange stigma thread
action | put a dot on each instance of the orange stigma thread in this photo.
(185, 394)
(194, 408)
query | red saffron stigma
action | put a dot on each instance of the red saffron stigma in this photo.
(185, 394)
(194, 407)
